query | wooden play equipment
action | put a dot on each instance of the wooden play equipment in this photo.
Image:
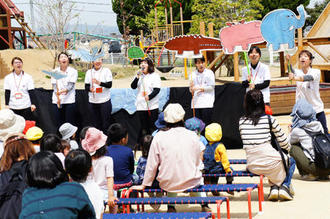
(9, 11)
(160, 34)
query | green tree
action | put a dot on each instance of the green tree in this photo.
(270, 5)
(221, 11)
(315, 12)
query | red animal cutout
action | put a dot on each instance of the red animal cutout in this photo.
(241, 34)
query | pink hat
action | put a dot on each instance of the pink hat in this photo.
(94, 140)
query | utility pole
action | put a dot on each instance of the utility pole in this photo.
(32, 15)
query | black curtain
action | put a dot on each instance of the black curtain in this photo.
(228, 108)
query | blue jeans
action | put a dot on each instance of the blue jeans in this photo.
(67, 113)
(288, 178)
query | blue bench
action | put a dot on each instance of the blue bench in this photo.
(237, 161)
(222, 188)
(190, 215)
(239, 174)
(126, 202)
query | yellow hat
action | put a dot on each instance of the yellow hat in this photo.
(213, 132)
(34, 133)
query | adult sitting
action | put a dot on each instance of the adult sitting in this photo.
(302, 150)
(174, 156)
(17, 152)
(50, 195)
(262, 158)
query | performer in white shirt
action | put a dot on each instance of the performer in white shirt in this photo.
(98, 82)
(202, 90)
(19, 91)
(64, 94)
(147, 81)
(259, 77)
(308, 85)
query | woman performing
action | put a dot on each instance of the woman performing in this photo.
(308, 85)
(147, 101)
(259, 77)
(19, 90)
(64, 94)
(98, 82)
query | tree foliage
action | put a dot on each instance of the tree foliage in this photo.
(221, 11)
(315, 12)
(270, 5)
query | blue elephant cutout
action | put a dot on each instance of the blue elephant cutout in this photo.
(278, 27)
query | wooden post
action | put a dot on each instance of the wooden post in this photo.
(185, 69)
(282, 65)
(300, 42)
(210, 54)
(10, 37)
(236, 71)
(181, 19)
(156, 24)
(171, 16)
(202, 32)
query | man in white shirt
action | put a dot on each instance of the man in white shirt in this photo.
(202, 90)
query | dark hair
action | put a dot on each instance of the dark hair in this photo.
(78, 164)
(254, 105)
(202, 59)
(174, 125)
(51, 142)
(45, 170)
(308, 53)
(100, 152)
(256, 48)
(14, 147)
(65, 145)
(116, 132)
(16, 58)
(151, 67)
(145, 145)
(62, 53)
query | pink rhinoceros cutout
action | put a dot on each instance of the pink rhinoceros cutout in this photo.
(241, 34)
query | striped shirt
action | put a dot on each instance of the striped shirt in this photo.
(260, 133)
(66, 200)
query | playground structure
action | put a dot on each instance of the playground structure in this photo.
(9, 33)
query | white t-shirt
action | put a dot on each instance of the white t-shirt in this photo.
(19, 85)
(95, 196)
(203, 99)
(146, 83)
(102, 168)
(310, 89)
(61, 84)
(102, 94)
(258, 75)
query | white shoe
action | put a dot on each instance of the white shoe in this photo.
(273, 194)
(284, 194)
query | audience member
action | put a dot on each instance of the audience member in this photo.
(34, 135)
(68, 133)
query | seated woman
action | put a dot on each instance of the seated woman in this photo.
(302, 150)
(50, 195)
(262, 158)
(13, 164)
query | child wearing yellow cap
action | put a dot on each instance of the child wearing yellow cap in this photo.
(34, 134)
(215, 157)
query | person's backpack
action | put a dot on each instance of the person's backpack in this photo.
(11, 192)
(321, 145)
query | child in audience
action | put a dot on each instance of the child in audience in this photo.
(82, 133)
(123, 158)
(34, 134)
(160, 124)
(52, 142)
(102, 172)
(78, 164)
(215, 155)
(68, 133)
(66, 147)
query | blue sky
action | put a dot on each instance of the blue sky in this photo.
(92, 12)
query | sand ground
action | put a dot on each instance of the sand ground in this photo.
(312, 199)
